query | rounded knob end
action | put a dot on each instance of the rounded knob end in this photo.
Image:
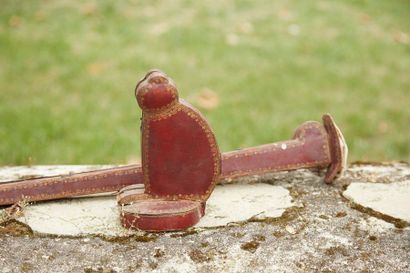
(156, 91)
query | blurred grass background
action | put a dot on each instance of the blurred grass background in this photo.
(257, 69)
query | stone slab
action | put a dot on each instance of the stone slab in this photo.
(323, 232)
(100, 215)
(392, 199)
(240, 202)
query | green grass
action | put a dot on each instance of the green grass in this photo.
(68, 71)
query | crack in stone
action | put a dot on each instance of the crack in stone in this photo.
(398, 223)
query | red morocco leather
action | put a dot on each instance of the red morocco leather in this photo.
(181, 162)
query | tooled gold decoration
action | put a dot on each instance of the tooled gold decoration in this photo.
(152, 117)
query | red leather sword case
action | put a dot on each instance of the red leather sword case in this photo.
(181, 162)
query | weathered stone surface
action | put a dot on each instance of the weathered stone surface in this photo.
(240, 202)
(85, 216)
(100, 215)
(323, 232)
(390, 199)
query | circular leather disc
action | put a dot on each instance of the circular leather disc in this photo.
(161, 215)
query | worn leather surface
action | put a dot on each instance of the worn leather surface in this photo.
(181, 162)
(180, 156)
(338, 150)
(107, 180)
(307, 148)
(156, 215)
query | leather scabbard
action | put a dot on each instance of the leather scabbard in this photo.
(313, 146)
(114, 179)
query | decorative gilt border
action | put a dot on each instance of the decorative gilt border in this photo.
(81, 177)
(338, 148)
(300, 140)
(133, 220)
(174, 211)
(196, 116)
(169, 88)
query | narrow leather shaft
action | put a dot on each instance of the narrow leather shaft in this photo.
(308, 148)
(107, 180)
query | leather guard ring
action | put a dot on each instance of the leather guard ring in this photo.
(162, 215)
(338, 150)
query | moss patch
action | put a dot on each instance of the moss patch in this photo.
(199, 256)
(250, 246)
(14, 227)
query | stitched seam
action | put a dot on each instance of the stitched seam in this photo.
(212, 142)
(289, 144)
(69, 180)
(276, 168)
(275, 147)
(163, 114)
(137, 215)
(170, 89)
(297, 143)
(59, 195)
(189, 208)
